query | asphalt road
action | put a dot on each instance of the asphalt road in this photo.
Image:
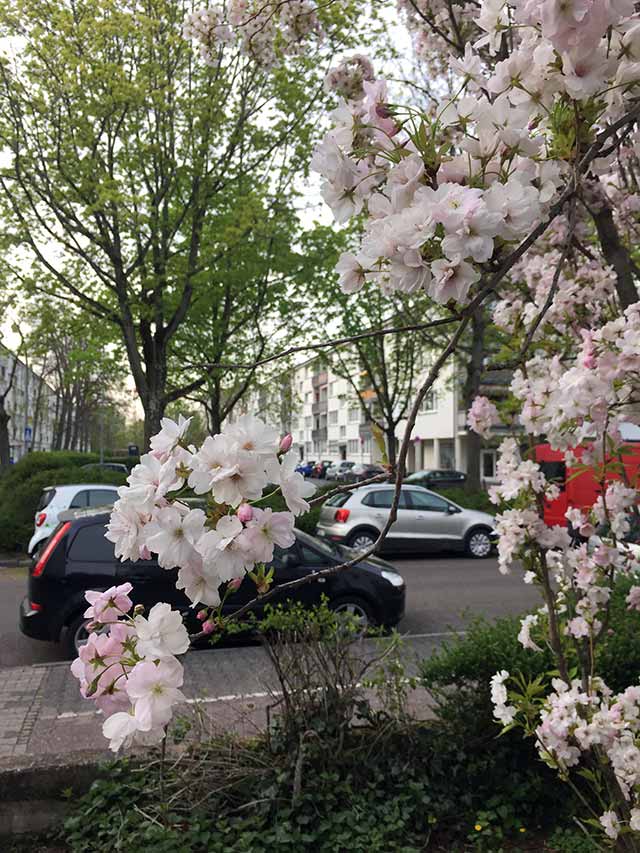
(443, 592)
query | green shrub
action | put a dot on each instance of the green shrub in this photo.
(19, 498)
(467, 500)
(307, 522)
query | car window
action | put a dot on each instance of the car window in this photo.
(89, 545)
(338, 500)
(382, 499)
(425, 501)
(311, 557)
(45, 499)
(80, 500)
(102, 497)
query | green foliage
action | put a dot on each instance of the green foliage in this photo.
(307, 522)
(572, 841)
(467, 499)
(21, 487)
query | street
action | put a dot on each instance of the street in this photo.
(443, 591)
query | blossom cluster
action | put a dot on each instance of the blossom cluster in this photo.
(582, 401)
(482, 416)
(575, 720)
(219, 545)
(263, 31)
(128, 666)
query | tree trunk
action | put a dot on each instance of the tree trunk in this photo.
(615, 253)
(471, 390)
(391, 444)
(5, 445)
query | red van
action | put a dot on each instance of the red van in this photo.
(578, 489)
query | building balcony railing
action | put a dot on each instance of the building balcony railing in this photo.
(319, 406)
(319, 434)
(319, 379)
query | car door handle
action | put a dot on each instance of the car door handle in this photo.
(380, 515)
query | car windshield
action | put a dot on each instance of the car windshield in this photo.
(330, 549)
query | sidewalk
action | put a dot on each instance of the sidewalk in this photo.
(42, 712)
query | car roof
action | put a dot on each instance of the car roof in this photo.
(83, 486)
(405, 487)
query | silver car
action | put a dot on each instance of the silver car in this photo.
(338, 470)
(426, 521)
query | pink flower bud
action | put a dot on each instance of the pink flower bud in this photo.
(286, 443)
(208, 627)
(234, 584)
(245, 513)
(201, 615)
(145, 553)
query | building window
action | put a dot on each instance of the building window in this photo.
(332, 389)
(343, 432)
(488, 464)
(307, 397)
(353, 445)
(430, 402)
(366, 447)
(354, 414)
(333, 417)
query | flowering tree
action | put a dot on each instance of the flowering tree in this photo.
(514, 188)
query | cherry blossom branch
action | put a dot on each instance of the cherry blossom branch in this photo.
(348, 487)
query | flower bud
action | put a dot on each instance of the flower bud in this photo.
(208, 627)
(138, 610)
(245, 513)
(234, 584)
(202, 615)
(286, 443)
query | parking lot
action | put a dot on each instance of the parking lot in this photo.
(443, 592)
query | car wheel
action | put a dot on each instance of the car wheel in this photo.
(77, 635)
(357, 609)
(478, 544)
(362, 540)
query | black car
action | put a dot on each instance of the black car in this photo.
(363, 471)
(78, 558)
(434, 477)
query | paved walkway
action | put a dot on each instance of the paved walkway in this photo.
(42, 712)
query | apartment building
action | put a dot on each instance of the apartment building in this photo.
(31, 404)
(324, 414)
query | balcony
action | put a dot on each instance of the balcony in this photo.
(319, 379)
(319, 407)
(319, 434)
(365, 430)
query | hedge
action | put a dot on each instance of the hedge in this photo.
(20, 492)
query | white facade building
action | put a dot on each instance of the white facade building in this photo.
(31, 405)
(327, 421)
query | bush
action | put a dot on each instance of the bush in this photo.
(467, 500)
(19, 496)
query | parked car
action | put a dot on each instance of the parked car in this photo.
(426, 521)
(108, 466)
(306, 468)
(78, 558)
(338, 470)
(431, 478)
(320, 468)
(362, 471)
(57, 499)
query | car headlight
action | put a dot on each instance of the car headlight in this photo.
(393, 577)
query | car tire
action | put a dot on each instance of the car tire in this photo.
(75, 634)
(477, 543)
(357, 607)
(362, 539)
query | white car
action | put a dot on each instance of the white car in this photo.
(57, 499)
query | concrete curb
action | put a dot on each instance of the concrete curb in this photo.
(31, 789)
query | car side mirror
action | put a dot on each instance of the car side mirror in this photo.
(452, 510)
